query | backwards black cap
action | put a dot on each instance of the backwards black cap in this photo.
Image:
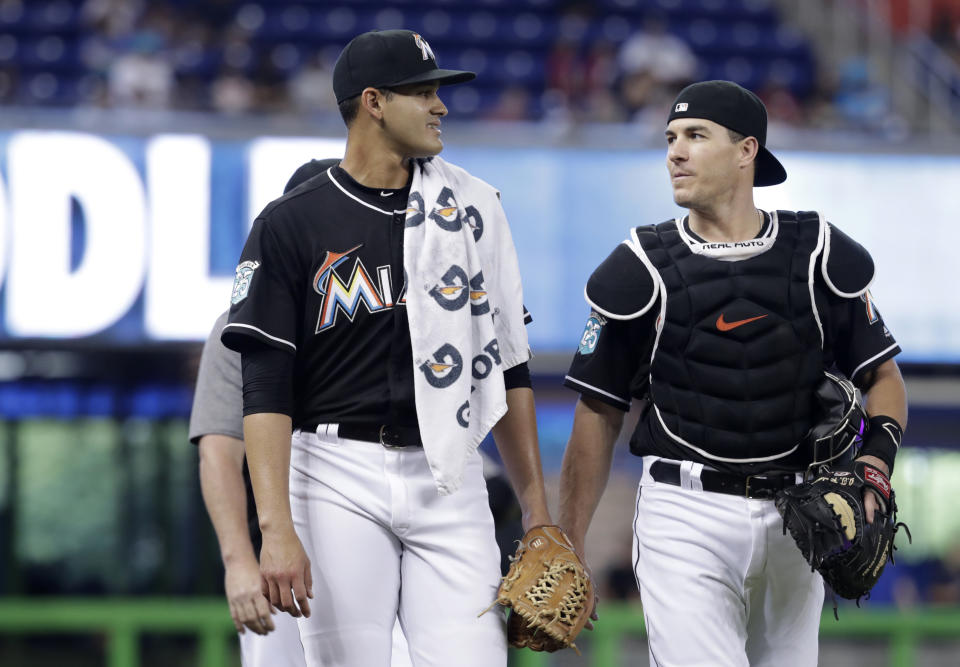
(736, 108)
(388, 58)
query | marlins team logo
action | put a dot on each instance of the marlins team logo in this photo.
(424, 47)
(339, 296)
(241, 283)
(591, 333)
(454, 291)
(445, 367)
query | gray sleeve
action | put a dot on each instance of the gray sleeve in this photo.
(218, 397)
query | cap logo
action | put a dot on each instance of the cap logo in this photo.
(424, 47)
(681, 106)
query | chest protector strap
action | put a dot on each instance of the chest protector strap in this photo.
(738, 351)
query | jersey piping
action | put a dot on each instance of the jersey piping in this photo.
(826, 275)
(262, 333)
(814, 256)
(597, 390)
(638, 251)
(356, 198)
(871, 359)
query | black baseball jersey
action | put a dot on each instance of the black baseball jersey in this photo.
(613, 361)
(321, 277)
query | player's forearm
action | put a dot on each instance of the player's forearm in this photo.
(586, 466)
(519, 447)
(224, 495)
(887, 394)
(267, 439)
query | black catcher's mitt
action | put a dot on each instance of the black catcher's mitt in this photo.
(827, 520)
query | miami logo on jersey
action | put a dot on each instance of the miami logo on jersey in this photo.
(346, 297)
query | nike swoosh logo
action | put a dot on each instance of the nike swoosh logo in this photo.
(723, 325)
(385, 194)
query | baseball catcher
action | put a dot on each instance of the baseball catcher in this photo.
(827, 519)
(548, 590)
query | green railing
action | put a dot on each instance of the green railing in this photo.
(123, 620)
(902, 631)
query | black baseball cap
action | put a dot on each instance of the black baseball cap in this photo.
(736, 108)
(388, 58)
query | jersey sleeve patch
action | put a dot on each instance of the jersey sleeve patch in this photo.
(591, 333)
(622, 287)
(241, 283)
(846, 265)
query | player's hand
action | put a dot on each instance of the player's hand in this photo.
(285, 568)
(248, 607)
(870, 502)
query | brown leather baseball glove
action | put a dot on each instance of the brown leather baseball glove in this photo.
(548, 590)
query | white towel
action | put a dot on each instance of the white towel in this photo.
(465, 306)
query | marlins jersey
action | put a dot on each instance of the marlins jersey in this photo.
(749, 324)
(321, 277)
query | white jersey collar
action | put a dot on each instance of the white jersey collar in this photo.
(736, 251)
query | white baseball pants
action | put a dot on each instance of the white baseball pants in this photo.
(384, 544)
(280, 648)
(721, 585)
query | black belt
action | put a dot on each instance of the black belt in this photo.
(763, 487)
(386, 435)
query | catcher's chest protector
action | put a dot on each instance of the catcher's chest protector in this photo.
(739, 350)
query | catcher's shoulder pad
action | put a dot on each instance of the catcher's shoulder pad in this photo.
(623, 286)
(846, 265)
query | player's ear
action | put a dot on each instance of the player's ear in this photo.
(748, 148)
(371, 101)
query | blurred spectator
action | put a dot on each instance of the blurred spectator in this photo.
(112, 18)
(600, 104)
(311, 88)
(654, 65)
(8, 84)
(513, 104)
(270, 85)
(861, 103)
(782, 105)
(945, 31)
(564, 70)
(142, 77)
(232, 92)
(665, 57)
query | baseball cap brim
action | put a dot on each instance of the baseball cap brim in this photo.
(768, 170)
(444, 77)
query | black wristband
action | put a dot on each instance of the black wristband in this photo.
(517, 376)
(882, 440)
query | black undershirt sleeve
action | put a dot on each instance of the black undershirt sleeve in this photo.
(267, 381)
(518, 376)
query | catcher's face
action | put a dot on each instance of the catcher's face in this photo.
(703, 162)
